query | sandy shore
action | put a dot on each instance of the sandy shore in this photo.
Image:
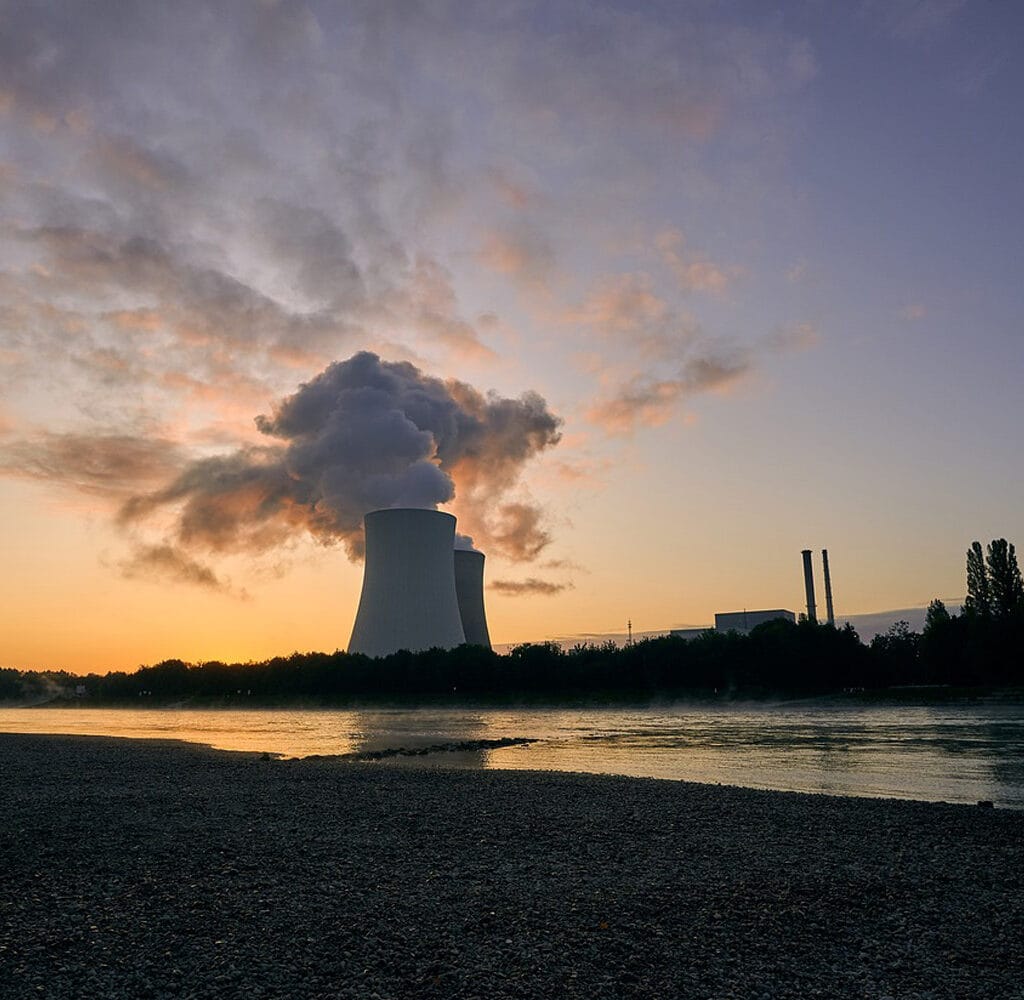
(143, 869)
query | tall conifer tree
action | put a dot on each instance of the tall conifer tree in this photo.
(1006, 589)
(979, 596)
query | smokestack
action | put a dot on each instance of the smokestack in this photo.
(828, 588)
(408, 599)
(809, 585)
(469, 587)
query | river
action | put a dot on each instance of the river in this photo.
(952, 754)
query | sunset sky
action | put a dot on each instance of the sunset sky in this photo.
(688, 287)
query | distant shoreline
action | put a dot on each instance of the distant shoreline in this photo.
(922, 694)
(141, 868)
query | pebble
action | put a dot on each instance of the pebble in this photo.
(134, 868)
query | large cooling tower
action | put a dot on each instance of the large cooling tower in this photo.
(408, 599)
(469, 587)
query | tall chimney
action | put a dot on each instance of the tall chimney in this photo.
(809, 586)
(828, 588)
(408, 599)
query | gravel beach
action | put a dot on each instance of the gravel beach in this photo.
(155, 869)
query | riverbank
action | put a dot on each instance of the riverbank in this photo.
(149, 869)
(922, 695)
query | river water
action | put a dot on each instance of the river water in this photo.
(952, 754)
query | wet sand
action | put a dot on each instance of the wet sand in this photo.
(157, 869)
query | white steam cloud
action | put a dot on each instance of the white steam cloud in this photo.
(361, 435)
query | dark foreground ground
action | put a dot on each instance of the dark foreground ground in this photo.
(136, 869)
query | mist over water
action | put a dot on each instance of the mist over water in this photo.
(961, 754)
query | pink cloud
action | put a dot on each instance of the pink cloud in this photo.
(621, 304)
(641, 402)
(796, 337)
(693, 271)
(513, 193)
(644, 401)
(523, 254)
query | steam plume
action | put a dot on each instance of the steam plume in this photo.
(361, 435)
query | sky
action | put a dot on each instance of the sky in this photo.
(650, 296)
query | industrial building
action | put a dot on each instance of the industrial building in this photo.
(418, 591)
(744, 621)
(735, 621)
(689, 633)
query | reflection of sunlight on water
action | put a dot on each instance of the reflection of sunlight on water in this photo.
(954, 754)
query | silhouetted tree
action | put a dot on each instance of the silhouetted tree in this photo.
(942, 649)
(898, 648)
(1005, 587)
(10, 684)
(979, 595)
(985, 644)
(936, 618)
(775, 657)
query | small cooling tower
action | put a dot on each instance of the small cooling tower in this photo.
(469, 586)
(408, 599)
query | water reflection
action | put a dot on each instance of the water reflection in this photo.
(420, 730)
(959, 754)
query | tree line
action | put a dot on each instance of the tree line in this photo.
(981, 646)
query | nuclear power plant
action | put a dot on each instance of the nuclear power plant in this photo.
(419, 592)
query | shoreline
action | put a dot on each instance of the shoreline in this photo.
(963, 756)
(918, 695)
(157, 868)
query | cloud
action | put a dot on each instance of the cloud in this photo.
(522, 253)
(797, 272)
(677, 358)
(315, 254)
(795, 337)
(582, 472)
(621, 66)
(121, 159)
(693, 271)
(516, 194)
(656, 356)
(623, 304)
(434, 311)
(702, 365)
(647, 402)
(641, 402)
(199, 305)
(170, 563)
(528, 587)
(913, 311)
(114, 466)
(361, 435)
(566, 564)
(205, 203)
(513, 529)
